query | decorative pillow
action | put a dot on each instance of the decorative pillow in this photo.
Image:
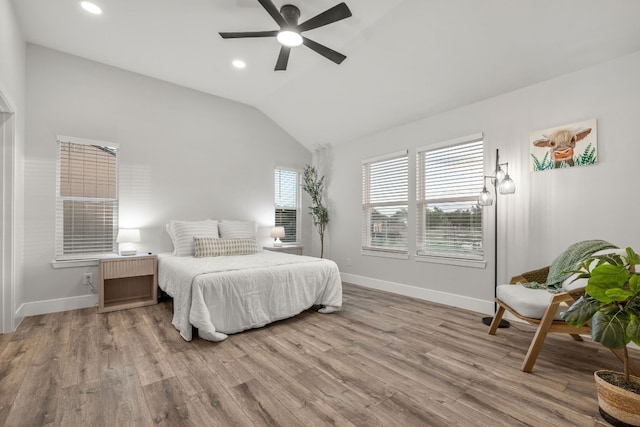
(183, 232)
(208, 247)
(237, 229)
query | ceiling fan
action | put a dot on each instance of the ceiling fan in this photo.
(289, 35)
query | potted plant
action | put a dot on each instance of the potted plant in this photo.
(314, 187)
(612, 304)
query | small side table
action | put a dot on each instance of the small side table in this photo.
(128, 282)
(289, 249)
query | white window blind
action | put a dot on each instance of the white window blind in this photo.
(287, 203)
(449, 179)
(385, 189)
(87, 198)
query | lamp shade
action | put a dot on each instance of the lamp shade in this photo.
(485, 198)
(128, 235)
(507, 186)
(277, 232)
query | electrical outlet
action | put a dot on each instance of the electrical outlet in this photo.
(87, 278)
(348, 261)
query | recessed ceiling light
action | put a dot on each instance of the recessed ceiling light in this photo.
(239, 63)
(91, 7)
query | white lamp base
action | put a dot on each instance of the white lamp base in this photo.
(127, 249)
(277, 243)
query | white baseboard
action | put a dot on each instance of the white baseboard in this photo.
(59, 304)
(460, 301)
(19, 315)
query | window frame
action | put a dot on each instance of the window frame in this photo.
(474, 257)
(298, 188)
(60, 255)
(367, 248)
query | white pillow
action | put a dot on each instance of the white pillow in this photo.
(183, 232)
(237, 229)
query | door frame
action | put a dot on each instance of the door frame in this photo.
(7, 211)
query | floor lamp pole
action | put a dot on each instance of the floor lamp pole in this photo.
(487, 320)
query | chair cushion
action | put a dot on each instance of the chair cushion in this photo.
(528, 302)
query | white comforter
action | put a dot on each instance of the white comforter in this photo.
(228, 294)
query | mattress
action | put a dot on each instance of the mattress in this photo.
(228, 294)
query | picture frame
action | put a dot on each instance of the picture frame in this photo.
(566, 146)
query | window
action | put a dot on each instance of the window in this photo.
(287, 203)
(449, 179)
(87, 198)
(385, 198)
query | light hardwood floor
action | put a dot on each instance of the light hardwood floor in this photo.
(385, 360)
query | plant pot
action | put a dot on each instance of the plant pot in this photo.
(618, 406)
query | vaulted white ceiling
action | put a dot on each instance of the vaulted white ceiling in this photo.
(406, 59)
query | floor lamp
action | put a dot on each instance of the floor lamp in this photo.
(503, 184)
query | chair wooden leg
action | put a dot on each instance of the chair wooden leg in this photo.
(538, 339)
(496, 320)
(576, 337)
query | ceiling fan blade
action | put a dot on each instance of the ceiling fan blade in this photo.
(242, 35)
(330, 54)
(336, 13)
(283, 58)
(273, 11)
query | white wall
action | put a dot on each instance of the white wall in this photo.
(12, 90)
(183, 155)
(549, 211)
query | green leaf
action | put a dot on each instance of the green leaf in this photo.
(632, 257)
(633, 330)
(580, 311)
(634, 283)
(610, 328)
(605, 277)
(619, 295)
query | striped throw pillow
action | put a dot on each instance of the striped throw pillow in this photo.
(183, 232)
(237, 229)
(208, 247)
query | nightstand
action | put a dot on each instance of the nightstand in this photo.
(289, 249)
(128, 282)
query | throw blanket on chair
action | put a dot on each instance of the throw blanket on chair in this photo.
(570, 259)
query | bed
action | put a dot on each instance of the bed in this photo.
(222, 295)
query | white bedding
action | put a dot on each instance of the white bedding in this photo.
(228, 294)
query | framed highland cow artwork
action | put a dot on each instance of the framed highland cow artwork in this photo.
(565, 146)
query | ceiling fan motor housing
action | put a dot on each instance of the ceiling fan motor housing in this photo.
(291, 14)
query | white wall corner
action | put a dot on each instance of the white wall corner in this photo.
(18, 316)
(59, 304)
(459, 301)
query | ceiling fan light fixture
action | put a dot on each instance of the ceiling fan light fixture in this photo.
(289, 38)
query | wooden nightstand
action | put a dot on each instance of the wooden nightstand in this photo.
(289, 249)
(128, 282)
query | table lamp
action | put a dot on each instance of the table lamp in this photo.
(277, 233)
(126, 238)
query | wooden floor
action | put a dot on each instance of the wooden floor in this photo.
(385, 360)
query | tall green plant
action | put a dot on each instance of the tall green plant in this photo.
(611, 302)
(314, 187)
